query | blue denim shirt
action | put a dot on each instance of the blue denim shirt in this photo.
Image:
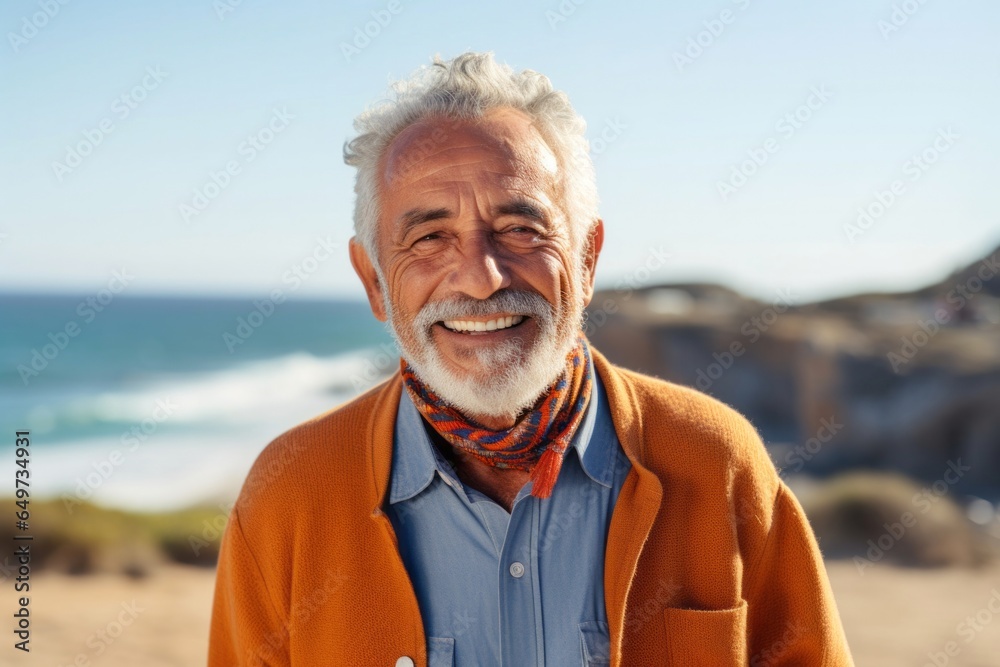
(525, 588)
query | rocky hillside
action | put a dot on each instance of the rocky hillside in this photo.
(908, 382)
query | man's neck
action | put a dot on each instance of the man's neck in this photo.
(495, 422)
(501, 485)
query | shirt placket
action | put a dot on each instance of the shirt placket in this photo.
(521, 635)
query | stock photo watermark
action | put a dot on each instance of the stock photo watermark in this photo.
(958, 297)
(104, 637)
(968, 629)
(32, 24)
(901, 14)
(302, 609)
(247, 151)
(705, 39)
(786, 127)
(752, 329)
(370, 31)
(651, 609)
(562, 12)
(376, 366)
(924, 500)
(59, 340)
(597, 315)
(211, 530)
(608, 135)
(225, 7)
(295, 276)
(797, 458)
(131, 440)
(121, 108)
(913, 170)
(773, 653)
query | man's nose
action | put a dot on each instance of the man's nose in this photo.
(479, 269)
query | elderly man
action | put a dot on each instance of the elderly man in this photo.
(508, 497)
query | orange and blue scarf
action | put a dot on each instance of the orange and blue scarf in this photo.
(537, 442)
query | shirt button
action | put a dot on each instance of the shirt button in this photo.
(516, 570)
(404, 661)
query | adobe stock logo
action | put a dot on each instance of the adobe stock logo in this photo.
(88, 310)
(248, 150)
(562, 13)
(705, 39)
(787, 126)
(753, 329)
(958, 297)
(30, 26)
(364, 36)
(900, 16)
(798, 457)
(121, 108)
(968, 629)
(913, 169)
(924, 500)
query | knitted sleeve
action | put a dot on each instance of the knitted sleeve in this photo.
(792, 618)
(247, 629)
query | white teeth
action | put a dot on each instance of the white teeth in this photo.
(491, 325)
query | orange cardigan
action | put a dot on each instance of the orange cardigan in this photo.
(709, 560)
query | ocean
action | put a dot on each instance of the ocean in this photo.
(153, 403)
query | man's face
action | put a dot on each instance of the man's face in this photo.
(484, 281)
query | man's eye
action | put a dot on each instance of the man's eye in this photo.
(428, 237)
(524, 234)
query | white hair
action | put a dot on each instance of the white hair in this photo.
(466, 87)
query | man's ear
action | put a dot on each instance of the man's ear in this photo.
(369, 278)
(591, 250)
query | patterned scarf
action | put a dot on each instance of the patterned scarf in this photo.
(538, 441)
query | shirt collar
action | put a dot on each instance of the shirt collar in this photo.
(415, 459)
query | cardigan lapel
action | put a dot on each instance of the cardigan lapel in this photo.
(378, 451)
(636, 507)
(380, 437)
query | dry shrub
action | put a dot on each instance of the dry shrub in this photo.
(82, 538)
(865, 514)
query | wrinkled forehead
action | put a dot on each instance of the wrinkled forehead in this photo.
(504, 143)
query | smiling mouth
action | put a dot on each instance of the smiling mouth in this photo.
(477, 326)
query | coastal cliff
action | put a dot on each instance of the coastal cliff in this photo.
(905, 382)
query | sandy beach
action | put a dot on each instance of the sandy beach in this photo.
(895, 617)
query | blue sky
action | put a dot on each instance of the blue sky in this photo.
(670, 131)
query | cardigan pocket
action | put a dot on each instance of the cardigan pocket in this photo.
(440, 652)
(707, 638)
(595, 643)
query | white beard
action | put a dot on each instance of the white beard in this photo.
(512, 378)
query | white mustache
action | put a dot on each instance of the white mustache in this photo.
(503, 302)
